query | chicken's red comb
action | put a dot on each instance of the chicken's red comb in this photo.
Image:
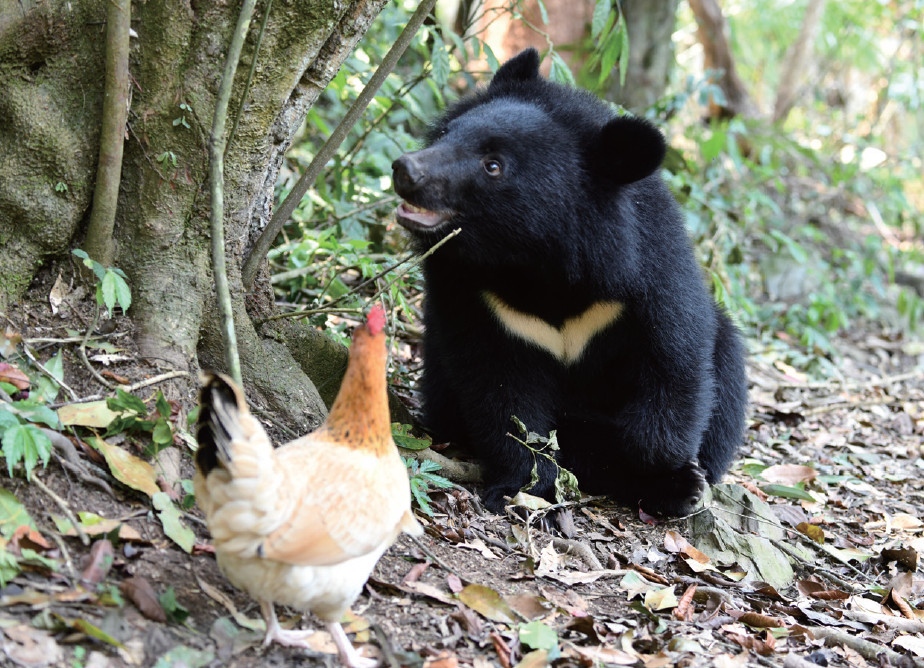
(375, 321)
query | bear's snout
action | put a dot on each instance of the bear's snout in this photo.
(408, 174)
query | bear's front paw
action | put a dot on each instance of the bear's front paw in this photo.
(678, 491)
(493, 498)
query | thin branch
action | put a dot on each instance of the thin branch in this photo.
(66, 509)
(98, 243)
(284, 212)
(216, 182)
(253, 67)
(83, 353)
(328, 308)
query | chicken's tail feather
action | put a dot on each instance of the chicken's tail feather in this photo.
(221, 405)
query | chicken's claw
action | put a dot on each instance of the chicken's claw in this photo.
(348, 655)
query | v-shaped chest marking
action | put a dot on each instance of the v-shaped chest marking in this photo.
(566, 343)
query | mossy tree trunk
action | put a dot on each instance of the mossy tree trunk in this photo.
(52, 63)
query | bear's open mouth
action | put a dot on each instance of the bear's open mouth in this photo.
(413, 217)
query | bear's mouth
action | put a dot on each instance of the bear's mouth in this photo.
(416, 218)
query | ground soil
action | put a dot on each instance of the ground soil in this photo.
(863, 433)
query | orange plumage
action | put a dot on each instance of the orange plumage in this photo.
(304, 524)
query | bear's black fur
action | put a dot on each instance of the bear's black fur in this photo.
(571, 298)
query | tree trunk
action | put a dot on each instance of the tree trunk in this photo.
(51, 73)
(650, 25)
(712, 29)
(507, 35)
(797, 62)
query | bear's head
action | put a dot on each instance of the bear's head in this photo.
(522, 162)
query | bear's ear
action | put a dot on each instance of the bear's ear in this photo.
(522, 67)
(626, 150)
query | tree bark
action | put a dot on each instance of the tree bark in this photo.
(797, 61)
(650, 24)
(51, 72)
(712, 29)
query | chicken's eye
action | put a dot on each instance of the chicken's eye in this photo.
(492, 167)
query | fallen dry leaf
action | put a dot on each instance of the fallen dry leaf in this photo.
(128, 469)
(684, 609)
(26, 537)
(10, 374)
(788, 474)
(139, 591)
(99, 562)
(813, 531)
(88, 414)
(764, 647)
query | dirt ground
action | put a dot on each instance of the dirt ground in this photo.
(590, 583)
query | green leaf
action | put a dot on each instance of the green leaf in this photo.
(123, 293)
(624, 54)
(27, 444)
(612, 48)
(602, 11)
(125, 402)
(439, 59)
(538, 636)
(9, 567)
(787, 492)
(109, 290)
(173, 526)
(543, 12)
(163, 406)
(12, 514)
(162, 434)
(7, 419)
(402, 437)
(493, 62)
(35, 412)
(560, 71)
(176, 613)
(81, 254)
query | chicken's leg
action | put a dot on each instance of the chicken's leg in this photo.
(276, 633)
(348, 656)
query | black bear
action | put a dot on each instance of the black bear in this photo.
(571, 298)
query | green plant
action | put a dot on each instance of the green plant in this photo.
(167, 156)
(566, 484)
(134, 417)
(111, 286)
(181, 120)
(423, 476)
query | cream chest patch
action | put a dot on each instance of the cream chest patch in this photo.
(566, 343)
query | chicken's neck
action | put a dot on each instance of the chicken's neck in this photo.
(359, 417)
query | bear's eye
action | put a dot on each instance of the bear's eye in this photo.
(492, 167)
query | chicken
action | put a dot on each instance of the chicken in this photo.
(304, 525)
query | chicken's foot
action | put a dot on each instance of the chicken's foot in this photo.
(275, 633)
(348, 655)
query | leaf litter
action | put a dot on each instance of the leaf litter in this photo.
(810, 550)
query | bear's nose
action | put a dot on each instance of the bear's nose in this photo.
(407, 173)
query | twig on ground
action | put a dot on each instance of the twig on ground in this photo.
(460, 472)
(897, 623)
(83, 353)
(435, 559)
(579, 549)
(70, 459)
(868, 650)
(66, 509)
(65, 553)
(60, 382)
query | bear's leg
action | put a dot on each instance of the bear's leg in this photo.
(724, 434)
